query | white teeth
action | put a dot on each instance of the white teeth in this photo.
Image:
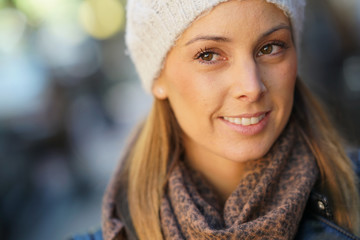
(237, 120)
(254, 120)
(245, 121)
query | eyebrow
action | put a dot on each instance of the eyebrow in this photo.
(224, 39)
(208, 38)
(277, 28)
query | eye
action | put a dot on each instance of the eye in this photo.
(267, 49)
(208, 56)
(272, 48)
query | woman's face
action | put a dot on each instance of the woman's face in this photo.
(230, 81)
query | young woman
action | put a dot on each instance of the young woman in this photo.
(235, 146)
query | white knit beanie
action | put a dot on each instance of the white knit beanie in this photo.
(153, 26)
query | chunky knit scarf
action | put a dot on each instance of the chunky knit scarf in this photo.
(267, 204)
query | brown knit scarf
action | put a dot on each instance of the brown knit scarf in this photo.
(267, 204)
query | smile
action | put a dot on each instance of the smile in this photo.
(245, 121)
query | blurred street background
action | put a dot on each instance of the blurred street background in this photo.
(69, 96)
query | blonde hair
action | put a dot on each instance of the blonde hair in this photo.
(338, 178)
(158, 145)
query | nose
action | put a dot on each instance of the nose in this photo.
(247, 84)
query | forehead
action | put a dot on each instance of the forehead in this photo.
(251, 16)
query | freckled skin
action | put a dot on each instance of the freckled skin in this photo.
(242, 76)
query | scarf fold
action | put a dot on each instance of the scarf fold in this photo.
(267, 204)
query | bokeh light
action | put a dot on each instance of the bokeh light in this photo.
(2, 3)
(21, 92)
(102, 18)
(75, 55)
(12, 28)
(48, 10)
(351, 73)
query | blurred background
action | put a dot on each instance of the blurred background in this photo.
(69, 96)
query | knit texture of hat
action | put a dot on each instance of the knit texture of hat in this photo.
(153, 26)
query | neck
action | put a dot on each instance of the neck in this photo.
(222, 174)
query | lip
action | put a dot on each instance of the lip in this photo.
(248, 115)
(248, 130)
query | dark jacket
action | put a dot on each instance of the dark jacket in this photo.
(316, 223)
(314, 226)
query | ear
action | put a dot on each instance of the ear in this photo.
(159, 89)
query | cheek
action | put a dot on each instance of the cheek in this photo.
(280, 82)
(182, 91)
(194, 98)
(180, 82)
(281, 78)
(288, 73)
(186, 98)
(190, 89)
(286, 78)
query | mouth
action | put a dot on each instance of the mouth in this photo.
(246, 121)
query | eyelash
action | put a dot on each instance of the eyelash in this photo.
(201, 54)
(277, 43)
(204, 51)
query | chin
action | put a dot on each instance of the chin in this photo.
(248, 153)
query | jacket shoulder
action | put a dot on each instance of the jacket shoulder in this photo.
(354, 156)
(317, 220)
(315, 227)
(89, 236)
